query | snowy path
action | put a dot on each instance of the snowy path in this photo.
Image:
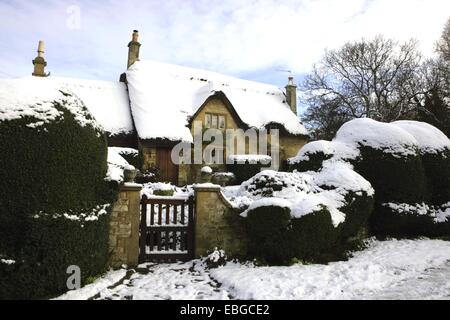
(405, 269)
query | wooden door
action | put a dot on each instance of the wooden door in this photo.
(168, 170)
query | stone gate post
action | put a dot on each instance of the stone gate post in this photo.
(124, 226)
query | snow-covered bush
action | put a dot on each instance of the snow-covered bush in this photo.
(407, 163)
(54, 204)
(163, 189)
(215, 259)
(313, 154)
(434, 148)
(246, 166)
(304, 215)
(129, 154)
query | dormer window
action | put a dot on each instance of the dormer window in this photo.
(216, 121)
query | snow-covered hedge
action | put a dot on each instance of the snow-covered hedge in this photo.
(407, 162)
(246, 166)
(55, 200)
(304, 215)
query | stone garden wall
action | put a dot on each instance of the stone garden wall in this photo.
(217, 223)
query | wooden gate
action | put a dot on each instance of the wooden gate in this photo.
(167, 229)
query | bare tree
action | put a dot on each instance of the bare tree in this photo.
(443, 46)
(435, 108)
(377, 79)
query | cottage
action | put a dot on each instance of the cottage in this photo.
(155, 105)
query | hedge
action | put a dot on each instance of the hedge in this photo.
(50, 246)
(437, 168)
(46, 171)
(394, 178)
(314, 163)
(244, 171)
(277, 239)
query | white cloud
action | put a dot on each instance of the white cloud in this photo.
(234, 37)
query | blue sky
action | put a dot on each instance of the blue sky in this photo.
(255, 40)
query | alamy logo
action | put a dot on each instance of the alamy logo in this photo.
(223, 144)
(74, 280)
(73, 21)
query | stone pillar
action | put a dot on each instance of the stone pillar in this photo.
(217, 223)
(291, 94)
(124, 226)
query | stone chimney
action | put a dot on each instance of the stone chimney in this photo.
(291, 94)
(133, 48)
(39, 62)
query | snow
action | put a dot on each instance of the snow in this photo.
(386, 269)
(429, 138)
(33, 96)
(179, 193)
(35, 99)
(7, 261)
(163, 93)
(387, 137)
(117, 164)
(393, 269)
(439, 214)
(123, 150)
(90, 290)
(302, 192)
(338, 150)
(81, 217)
(206, 169)
(266, 202)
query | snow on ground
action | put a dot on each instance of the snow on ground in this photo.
(95, 288)
(394, 269)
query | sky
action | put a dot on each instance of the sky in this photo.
(257, 40)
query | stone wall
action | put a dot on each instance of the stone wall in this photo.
(124, 227)
(217, 224)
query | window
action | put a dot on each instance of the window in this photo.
(208, 120)
(222, 122)
(216, 121)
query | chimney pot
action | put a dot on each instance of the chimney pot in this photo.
(39, 62)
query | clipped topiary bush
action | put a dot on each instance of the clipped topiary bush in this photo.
(246, 166)
(394, 177)
(306, 216)
(268, 230)
(55, 200)
(434, 148)
(314, 154)
(406, 162)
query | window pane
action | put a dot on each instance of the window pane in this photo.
(213, 121)
(207, 120)
(222, 122)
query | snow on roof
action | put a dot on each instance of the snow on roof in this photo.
(378, 135)
(429, 138)
(163, 96)
(107, 101)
